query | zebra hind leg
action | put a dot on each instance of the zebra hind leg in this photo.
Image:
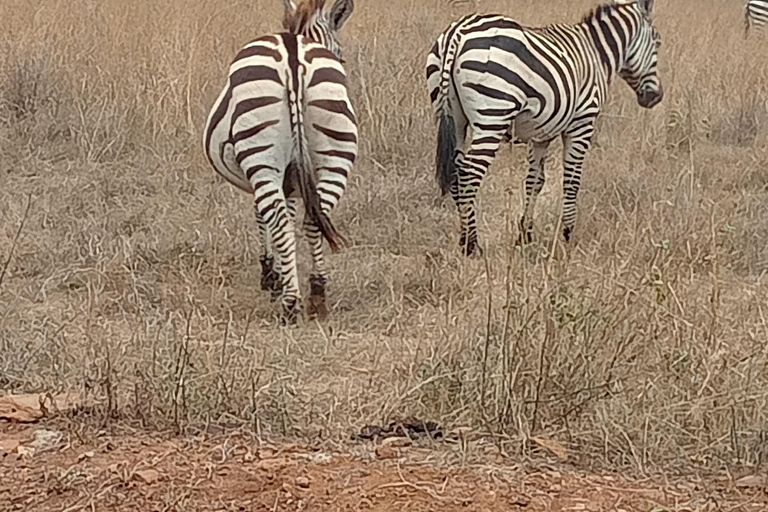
(534, 182)
(472, 167)
(275, 211)
(316, 306)
(270, 278)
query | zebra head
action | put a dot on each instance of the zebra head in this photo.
(640, 62)
(311, 19)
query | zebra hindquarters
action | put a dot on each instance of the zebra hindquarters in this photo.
(331, 134)
(217, 143)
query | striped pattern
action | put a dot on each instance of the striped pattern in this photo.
(756, 14)
(283, 128)
(492, 80)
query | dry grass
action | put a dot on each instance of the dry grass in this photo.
(135, 273)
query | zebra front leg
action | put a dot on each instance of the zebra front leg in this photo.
(576, 143)
(316, 306)
(534, 182)
(471, 168)
(270, 278)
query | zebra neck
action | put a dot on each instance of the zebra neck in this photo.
(600, 28)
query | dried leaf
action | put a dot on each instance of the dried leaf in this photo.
(8, 446)
(751, 481)
(148, 476)
(553, 446)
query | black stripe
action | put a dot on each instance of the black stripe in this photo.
(248, 105)
(339, 154)
(250, 132)
(333, 134)
(336, 170)
(256, 168)
(318, 53)
(327, 75)
(509, 76)
(499, 23)
(218, 115)
(492, 93)
(251, 151)
(496, 112)
(258, 51)
(254, 74)
(336, 106)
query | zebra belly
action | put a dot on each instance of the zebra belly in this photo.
(525, 128)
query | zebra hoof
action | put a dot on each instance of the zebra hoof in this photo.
(470, 247)
(270, 280)
(567, 233)
(275, 290)
(291, 312)
(316, 308)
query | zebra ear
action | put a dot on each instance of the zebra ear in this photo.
(340, 13)
(647, 7)
(289, 6)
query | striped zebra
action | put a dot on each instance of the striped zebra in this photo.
(283, 127)
(756, 14)
(507, 82)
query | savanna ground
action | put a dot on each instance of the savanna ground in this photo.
(130, 274)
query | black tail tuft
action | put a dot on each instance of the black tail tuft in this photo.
(446, 153)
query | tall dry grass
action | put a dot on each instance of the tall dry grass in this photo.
(134, 274)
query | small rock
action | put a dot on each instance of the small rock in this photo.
(45, 438)
(148, 476)
(315, 458)
(85, 455)
(25, 451)
(8, 446)
(302, 482)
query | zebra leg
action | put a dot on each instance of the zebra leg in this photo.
(270, 279)
(576, 143)
(274, 209)
(316, 307)
(472, 167)
(534, 182)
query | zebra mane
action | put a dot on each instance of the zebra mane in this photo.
(297, 21)
(606, 8)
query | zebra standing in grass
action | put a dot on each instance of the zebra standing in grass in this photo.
(503, 81)
(756, 14)
(283, 127)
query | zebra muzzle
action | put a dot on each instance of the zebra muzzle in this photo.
(649, 98)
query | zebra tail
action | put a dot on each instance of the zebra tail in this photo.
(446, 150)
(446, 131)
(311, 197)
(746, 21)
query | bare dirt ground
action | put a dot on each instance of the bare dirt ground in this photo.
(53, 468)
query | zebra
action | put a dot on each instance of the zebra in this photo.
(755, 14)
(283, 127)
(503, 82)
